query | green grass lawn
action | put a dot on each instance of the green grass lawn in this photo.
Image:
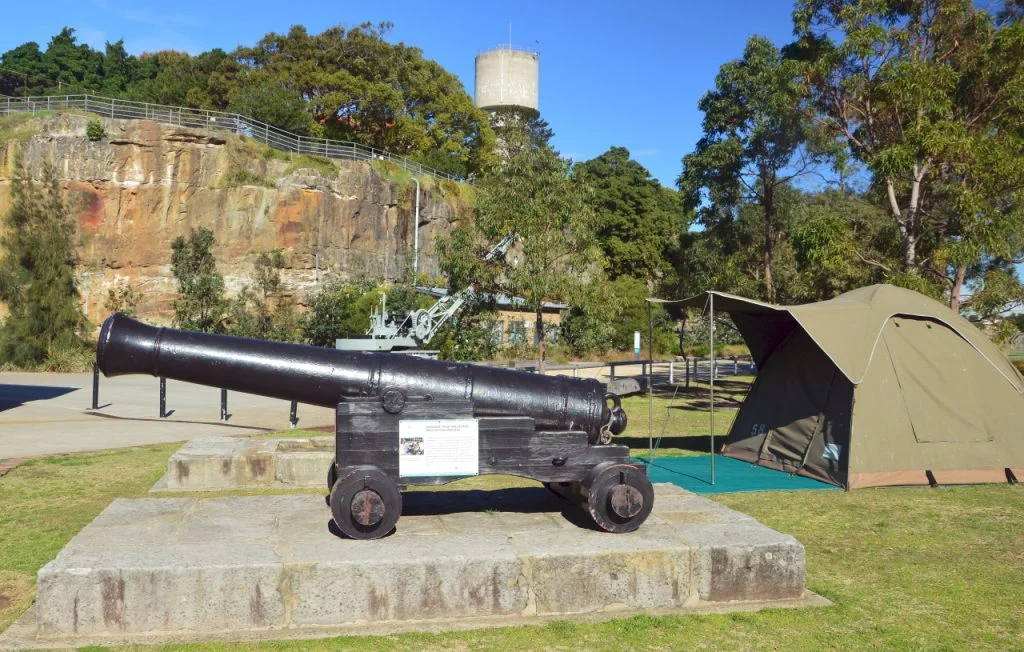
(44, 502)
(913, 568)
(681, 416)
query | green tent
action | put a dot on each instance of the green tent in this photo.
(879, 386)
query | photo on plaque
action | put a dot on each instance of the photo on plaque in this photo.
(410, 446)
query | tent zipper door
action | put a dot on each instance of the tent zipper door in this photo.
(791, 454)
(790, 445)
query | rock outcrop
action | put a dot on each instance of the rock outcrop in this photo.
(145, 183)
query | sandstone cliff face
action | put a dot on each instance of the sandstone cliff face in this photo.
(146, 183)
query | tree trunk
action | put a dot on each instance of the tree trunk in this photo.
(909, 253)
(540, 341)
(769, 214)
(907, 223)
(954, 293)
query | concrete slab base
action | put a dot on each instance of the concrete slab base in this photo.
(193, 568)
(219, 463)
(22, 635)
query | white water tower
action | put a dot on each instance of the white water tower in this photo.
(507, 77)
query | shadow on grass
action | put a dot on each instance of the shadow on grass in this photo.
(702, 406)
(727, 386)
(693, 443)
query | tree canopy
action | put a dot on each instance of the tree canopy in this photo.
(755, 141)
(636, 220)
(532, 196)
(928, 96)
(349, 84)
(360, 87)
(919, 103)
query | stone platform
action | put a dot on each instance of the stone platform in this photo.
(273, 565)
(218, 463)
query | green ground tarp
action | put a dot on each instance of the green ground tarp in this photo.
(693, 473)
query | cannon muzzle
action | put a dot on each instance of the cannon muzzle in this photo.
(321, 376)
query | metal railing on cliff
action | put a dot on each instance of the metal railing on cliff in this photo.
(203, 119)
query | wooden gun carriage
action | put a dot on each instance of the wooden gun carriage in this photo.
(404, 421)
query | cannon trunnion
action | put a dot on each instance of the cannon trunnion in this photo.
(407, 421)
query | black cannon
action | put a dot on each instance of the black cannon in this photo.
(403, 420)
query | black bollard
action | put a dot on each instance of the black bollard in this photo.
(293, 415)
(223, 404)
(95, 387)
(163, 397)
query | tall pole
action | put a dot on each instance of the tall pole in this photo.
(650, 385)
(711, 378)
(416, 235)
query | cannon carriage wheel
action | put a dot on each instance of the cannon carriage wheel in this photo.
(365, 502)
(332, 475)
(619, 497)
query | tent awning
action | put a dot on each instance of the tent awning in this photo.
(727, 302)
(846, 328)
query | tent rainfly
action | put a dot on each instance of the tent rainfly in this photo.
(878, 386)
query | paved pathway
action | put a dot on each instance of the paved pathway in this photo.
(45, 414)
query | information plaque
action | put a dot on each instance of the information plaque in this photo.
(438, 447)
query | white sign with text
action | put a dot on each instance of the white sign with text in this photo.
(431, 447)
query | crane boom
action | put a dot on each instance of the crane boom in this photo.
(389, 331)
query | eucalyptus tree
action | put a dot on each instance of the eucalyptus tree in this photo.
(755, 142)
(530, 194)
(928, 95)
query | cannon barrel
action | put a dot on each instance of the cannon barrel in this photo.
(321, 376)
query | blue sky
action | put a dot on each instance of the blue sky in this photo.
(611, 73)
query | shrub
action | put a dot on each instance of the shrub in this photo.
(608, 315)
(244, 177)
(123, 298)
(94, 131)
(70, 358)
(37, 280)
(335, 311)
(200, 304)
(469, 336)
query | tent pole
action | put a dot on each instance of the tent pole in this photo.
(650, 385)
(711, 378)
